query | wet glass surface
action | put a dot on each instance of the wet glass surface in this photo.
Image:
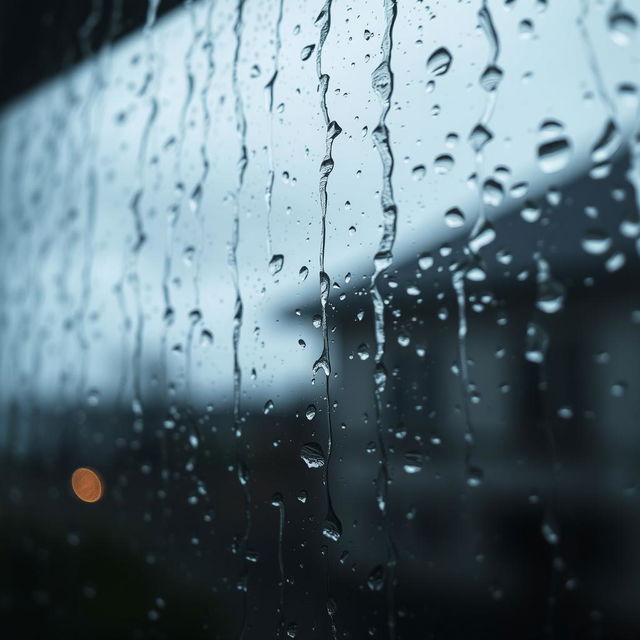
(336, 307)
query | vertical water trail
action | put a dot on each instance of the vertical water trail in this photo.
(173, 215)
(382, 82)
(610, 139)
(204, 97)
(69, 190)
(592, 60)
(482, 232)
(90, 145)
(269, 89)
(22, 325)
(278, 501)
(4, 285)
(550, 295)
(189, 75)
(197, 192)
(195, 196)
(489, 80)
(633, 173)
(332, 527)
(241, 467)
(135, 207)
(15, 338)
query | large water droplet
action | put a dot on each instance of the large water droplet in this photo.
(491, 77)
(622, 26)
(596, 242)
(312, 455)
(418, 172)
(454, 218)
(492, 193)
(276, 263)
(306, 52)
(479, 137)
(443, 164)
(413, 462)
(439, 62)
(554, 155)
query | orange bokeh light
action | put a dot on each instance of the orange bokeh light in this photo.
(87, 484)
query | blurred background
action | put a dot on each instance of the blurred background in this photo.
(340, 300)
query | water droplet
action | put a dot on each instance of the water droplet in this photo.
(536, 343)
(413, 462)
(607, 144)
(363, 351)
(615, 262)
(276, 263)
(425, 261)
(491, 77)
(482, 237)
(93, 397)
(519, 190)
(554, 156)
(443, 164)
(530, 212)
(551, 293)
(596, 242)
(454, 218)
(310, 412)
(375, 581)
(306, 52)
(622, 26)
(312, 455)
(492, 193)
(332, 527)
(439, 62)
(475, 477)
(206, 338)
(526, 28)
(479, 137)
(418, 172)
(550, 530)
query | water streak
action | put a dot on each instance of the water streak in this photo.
(382, 82)
(241, 467)
(481, 233)
(278, 501)
(269, 89)
(332, 527)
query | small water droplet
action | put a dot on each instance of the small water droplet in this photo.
(375, 580)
